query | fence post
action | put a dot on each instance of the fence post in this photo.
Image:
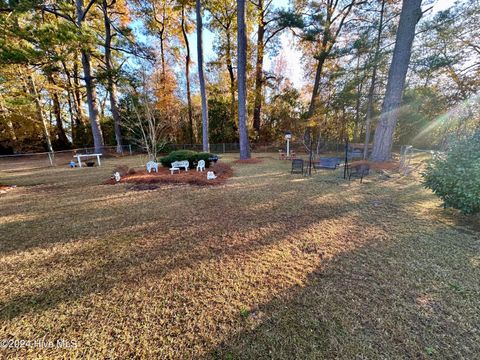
(223, 147)
(130, 149)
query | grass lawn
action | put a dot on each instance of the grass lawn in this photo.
(268, 266)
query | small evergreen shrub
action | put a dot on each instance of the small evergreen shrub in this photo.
(192, 156)
(455, 176)
(202, 156)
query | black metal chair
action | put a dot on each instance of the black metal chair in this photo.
(297, 166)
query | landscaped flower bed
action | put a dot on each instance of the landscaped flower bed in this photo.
(222, 171)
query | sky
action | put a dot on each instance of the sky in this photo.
(290, 53)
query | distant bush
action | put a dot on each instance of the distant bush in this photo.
(193, 158)
(455, 177)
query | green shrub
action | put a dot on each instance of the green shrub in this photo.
(202, 156)
(192, 157)
(455, 176)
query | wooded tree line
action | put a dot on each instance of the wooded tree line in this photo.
(99, 72)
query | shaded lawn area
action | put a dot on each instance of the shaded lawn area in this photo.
(268, 266)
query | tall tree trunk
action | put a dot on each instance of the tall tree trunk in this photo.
(201, 77)
(187, 77)
(371, 90)
(10, 128)
(78, 96)
(359, 81)
(71, 104)
(257, 109)
(38, 108)
(162, 45)
(111, 85)
(81, 137)
(62, 137)
(326, 46)
(162, 53)
(161, 33)
(242, 81)
(92, 103)
(319, 141)
(90, 86)
(329, 37)
(231, 75)
(383, 140)
(71, 113)
(316, 86)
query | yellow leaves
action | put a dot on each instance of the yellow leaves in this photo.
(121, 7)
(165, 85)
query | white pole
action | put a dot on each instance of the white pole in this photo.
(288, 147)
(50, 158)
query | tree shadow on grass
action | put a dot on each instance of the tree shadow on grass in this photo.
(382, 257)
(169, 248)
(405, 296)
(95, 213)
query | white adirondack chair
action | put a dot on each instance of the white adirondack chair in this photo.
(201, 165)
(152, 165)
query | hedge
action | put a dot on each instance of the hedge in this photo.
(193, 158)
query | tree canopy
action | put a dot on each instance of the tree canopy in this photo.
(69, 73)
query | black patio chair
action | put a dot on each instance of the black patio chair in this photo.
(297, 166)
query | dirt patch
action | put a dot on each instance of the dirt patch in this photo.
(248, 161)
(390, 165)
(222, 171)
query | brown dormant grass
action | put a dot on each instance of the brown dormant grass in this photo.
(252, 160)
(267, 265)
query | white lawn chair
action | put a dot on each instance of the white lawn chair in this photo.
(201, 165)
(152, 165)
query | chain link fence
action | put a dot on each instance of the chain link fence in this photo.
(63, 158)
(56, 158)
(220, 148)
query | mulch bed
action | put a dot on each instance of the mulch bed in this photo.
(222, 171)
(5, 188)
(142, 187)
(390, 165)
(248, 161)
